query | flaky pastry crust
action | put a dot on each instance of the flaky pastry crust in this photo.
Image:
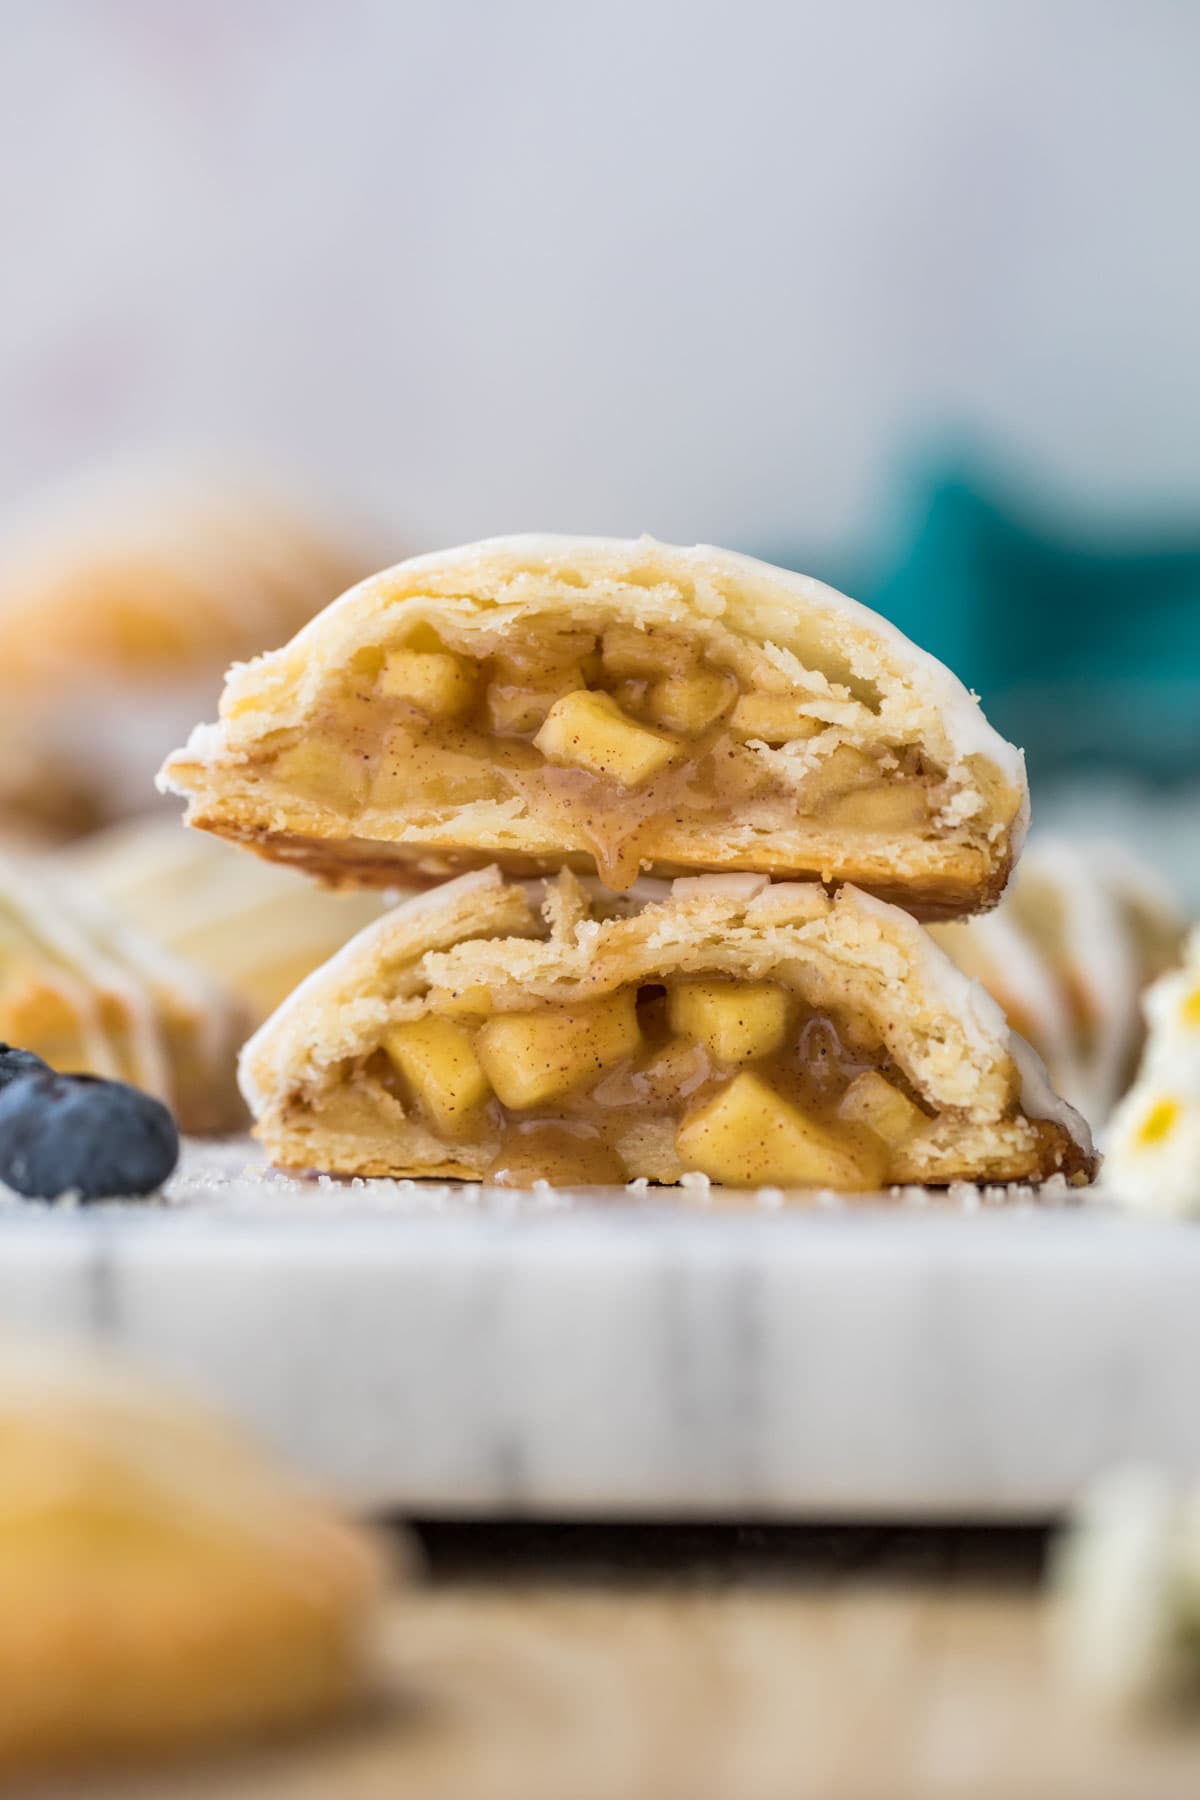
(862, 687)
(992, 1113)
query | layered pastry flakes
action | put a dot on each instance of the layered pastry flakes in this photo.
(615, 707)
(257, 928)
(750, 1032)
(121, 606)
(1152, 1144)
(1081, 931)
(91, 995)
(165, 1586)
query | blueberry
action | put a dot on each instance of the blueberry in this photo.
(75, 1133)
(15, 1063)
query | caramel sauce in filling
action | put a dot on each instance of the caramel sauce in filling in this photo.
(604, 735)
(749, 1084)
(564, 1152)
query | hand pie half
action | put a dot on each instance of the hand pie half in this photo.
(617, 706)
(756, 1033)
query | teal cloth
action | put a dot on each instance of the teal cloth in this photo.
(1086, 653)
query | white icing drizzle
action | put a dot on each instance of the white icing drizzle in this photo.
(1038, 1098)
(89, 955)
(1020, 970)
(56, 919)
(1098, 952)
(209, 902)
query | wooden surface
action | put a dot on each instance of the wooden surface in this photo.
(576, 1664)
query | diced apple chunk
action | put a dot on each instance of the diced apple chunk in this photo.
(690, 703)
(532, 1057)
(734, 1020)
(565, 1153)
(747, 1135)
(437, 1059)
(437, 682)
(888, 806)
(589, 731)
(627, 650)
(775, 718)
(873, 1101)
(323, 772)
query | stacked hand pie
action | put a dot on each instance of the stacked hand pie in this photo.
(696, 808)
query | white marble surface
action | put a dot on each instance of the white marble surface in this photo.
(442, 1351)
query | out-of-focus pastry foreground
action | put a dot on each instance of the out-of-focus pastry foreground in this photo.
(166, 1585)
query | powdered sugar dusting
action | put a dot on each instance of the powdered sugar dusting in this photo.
(232, 1178)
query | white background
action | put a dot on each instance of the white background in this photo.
(708, 270)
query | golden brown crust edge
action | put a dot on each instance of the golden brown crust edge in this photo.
(956, 879)
(300, 1146)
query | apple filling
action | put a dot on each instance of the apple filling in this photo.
(738, 1080)
(600, 734)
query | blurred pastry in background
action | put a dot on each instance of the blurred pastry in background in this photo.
(257, 928)
(1106, 931)
(1068, 953)
(91, 994)
(121, 606)
(1125, 1581)
(1153, 1138)
(994, 950)
(166, 1586)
